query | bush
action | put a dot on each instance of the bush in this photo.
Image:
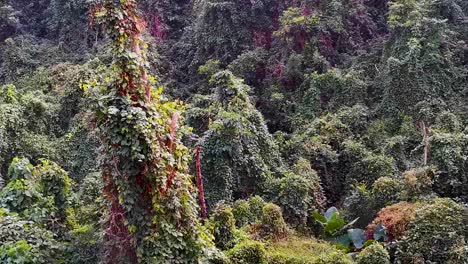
(300, 193)
(256, 204)
(248, 252)
(272, 223)
(223, 226)
(215, 256)
(20, 168)
(373, 254)
(334, 258)
(54, 182)
(359, 204)
(436, 228)
(301, 250)
(239, 153)
(386, 191)
(365, 165)
(458, 253)
(395, 218)
(296, 198)
(418, 182)
(22, 240)
(19, 252)
(242, 213)
(285, 259)
(22, 197)
(449, 153)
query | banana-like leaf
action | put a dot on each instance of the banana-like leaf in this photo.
(358, 237)
(330, 212)
(320, 218)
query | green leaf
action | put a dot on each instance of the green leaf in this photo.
(369, 242)
(320, 218)
(334, 224)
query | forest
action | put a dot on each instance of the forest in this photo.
(234, 131)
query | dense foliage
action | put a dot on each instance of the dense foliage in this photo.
(287, 132)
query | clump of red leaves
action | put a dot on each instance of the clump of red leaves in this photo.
(396, 218)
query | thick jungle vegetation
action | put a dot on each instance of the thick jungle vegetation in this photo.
(234, 131)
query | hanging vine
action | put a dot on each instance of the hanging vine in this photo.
(153, 213)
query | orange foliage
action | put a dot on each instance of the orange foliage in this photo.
(395, 218)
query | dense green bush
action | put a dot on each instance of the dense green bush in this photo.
(272, 223)
(359, 204)
(386, 191)
(53, 182)
(223, 226)
(298, 193)
(334, 258)
(215, 256)
(248, 252)
(332, 90)
(20, 168)
(84, 220)
(256, 204)
(366, 166)
(239, 153)
(242, 212)
(373, 254)
(19, 252)
(24, 240)
(22, 197)
(449, 152)
(436, 228)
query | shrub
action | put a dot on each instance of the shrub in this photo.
(418, 182)
(449, 152)
(256, 204)
(359, 204)
(19, 252)
(215, 256)
(386, 191)
(395, 218)
(223, 226)
(285, 259)
(239, 153)
(272, 223)
(334, 258)
(53, 181)
(300, 250)
(20, 168)
(365, 165)
(25, 239)
(373, 254)
(248, 252)
(299, 193)
(435, 229)
(295, 198)
(458, 253)
(21, 196)
(242, 213)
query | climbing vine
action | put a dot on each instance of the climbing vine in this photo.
(153, 210)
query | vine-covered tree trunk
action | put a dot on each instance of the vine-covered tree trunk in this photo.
(153, 214)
